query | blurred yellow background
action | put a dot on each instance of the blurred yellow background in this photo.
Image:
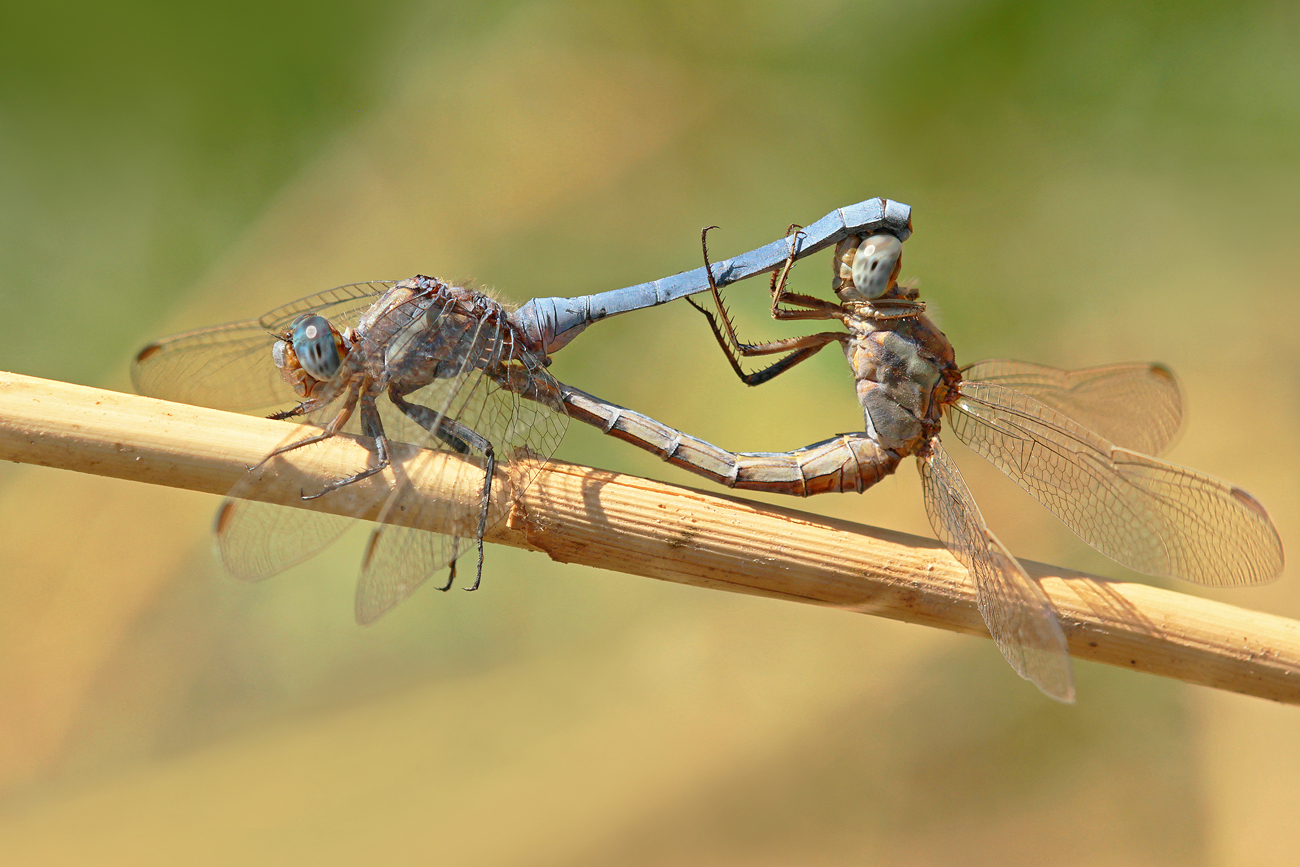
(1094, 182)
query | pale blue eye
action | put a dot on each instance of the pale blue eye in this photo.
(315, 346)
(875, 264)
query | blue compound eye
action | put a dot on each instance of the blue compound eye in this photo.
(876, 265)
(316, 347)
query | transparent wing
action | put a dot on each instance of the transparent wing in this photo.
(461, 409)
(224, 367)
(470, 405)
(256, 540)
(1142, 512)
(229, 366)
(1017, 611)
(401, 557)
(1136, 406)
(261, 527)
(342, 305)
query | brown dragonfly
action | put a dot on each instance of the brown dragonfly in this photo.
(1081, 442)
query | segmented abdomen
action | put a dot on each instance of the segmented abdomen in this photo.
(849, 462)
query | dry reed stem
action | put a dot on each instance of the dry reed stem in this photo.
(577, 514)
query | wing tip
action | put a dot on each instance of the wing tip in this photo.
(1049, 669)
(1249, 502)
(1162, 371)
(147, 351)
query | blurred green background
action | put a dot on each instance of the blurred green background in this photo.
(1091, 182)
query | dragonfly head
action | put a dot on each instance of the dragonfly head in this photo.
(869, 270)
(310, 352)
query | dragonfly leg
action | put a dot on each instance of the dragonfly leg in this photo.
(489, 469)
(330, 430)
(461, 439)
(301, 409)
(802, 348)
(799, 348)
(815, 308)
(372, 427)
(451, 577)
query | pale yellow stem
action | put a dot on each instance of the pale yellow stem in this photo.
(582, 515)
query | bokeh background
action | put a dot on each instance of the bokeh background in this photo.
(1091, 182)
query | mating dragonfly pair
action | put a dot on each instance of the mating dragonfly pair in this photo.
(448, 368)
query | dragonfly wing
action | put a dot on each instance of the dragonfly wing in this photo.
(229, 366)
(342, 305)
(401, 557)
(263, 528)
(399, 560)
(225, 367)
(466, 410)
(1136, 406)
(1016, 610)
(1151, 516)
(256, 540)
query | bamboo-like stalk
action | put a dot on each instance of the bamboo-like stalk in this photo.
(582, 515)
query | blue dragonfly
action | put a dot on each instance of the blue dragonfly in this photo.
(420, 362)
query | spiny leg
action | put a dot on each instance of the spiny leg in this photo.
(489, 469)
(729, 342)
(724, 330)
(300, 410)
(816, 308)
(800, 348)
(461, 439)
(330, 430)
(373, 427)
(804, 348)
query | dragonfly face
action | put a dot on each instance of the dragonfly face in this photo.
(310, 353)
(872, 268)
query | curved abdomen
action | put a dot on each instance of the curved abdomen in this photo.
(849, 462)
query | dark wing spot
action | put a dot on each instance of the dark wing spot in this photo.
(148, 351)
(223, 515)
(1249, 502)
(1161, 372)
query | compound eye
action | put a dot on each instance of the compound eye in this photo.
(315, 345)
(875, 265)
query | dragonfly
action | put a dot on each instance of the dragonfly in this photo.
(1081, 442)
(440, 366)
